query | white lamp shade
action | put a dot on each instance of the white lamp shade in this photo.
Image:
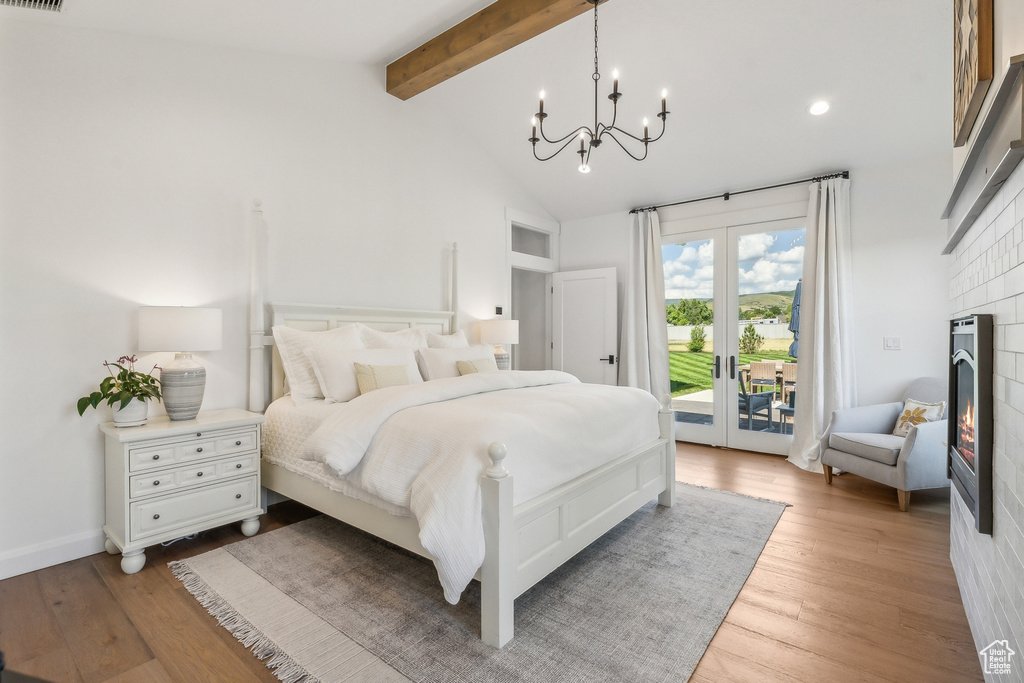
(180, 329)
(499, 331)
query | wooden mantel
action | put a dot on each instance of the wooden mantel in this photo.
(487, 33)
(996, 151)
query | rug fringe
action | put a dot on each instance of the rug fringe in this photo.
(280, 664)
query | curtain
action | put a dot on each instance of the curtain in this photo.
(825, 374)
(643, 346)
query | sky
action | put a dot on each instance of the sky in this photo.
(768, 262)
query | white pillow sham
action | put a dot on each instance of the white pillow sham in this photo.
(336, 372)
(441, 363)
(471, 367)
(409, 338)
(292, 344)
(455, 340)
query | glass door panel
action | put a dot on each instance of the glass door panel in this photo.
(729, 301)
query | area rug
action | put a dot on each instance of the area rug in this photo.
(640, 604)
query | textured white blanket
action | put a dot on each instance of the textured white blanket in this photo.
(424, 447)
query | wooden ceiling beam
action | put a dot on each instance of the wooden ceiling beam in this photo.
(487, 33)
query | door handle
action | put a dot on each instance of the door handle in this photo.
(610, 360)
(718, 367)
(732, 367)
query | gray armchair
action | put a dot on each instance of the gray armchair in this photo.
(860, 440)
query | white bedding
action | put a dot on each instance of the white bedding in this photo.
(422, 448)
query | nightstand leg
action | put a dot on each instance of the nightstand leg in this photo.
(132, 561)
(111, 547)
(250, 526)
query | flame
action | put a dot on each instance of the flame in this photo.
(965, 433)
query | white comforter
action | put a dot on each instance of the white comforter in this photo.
(424, 447)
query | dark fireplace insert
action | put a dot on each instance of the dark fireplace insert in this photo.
(969, 457)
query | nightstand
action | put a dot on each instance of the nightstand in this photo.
(168, 479)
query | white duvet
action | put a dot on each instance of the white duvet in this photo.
(424, 447)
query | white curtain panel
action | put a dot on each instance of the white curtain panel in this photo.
(643, 346)
(825, 374)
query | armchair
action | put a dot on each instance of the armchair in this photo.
(860, 440)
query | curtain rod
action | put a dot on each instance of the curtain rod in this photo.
(727, 195)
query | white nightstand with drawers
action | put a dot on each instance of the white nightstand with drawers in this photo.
(168, 479)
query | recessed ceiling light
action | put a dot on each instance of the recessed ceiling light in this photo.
(819, 108)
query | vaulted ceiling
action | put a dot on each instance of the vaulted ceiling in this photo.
(740, 76)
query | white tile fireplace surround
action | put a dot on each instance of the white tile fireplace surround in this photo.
(987, 276)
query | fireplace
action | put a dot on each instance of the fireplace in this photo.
(969, 459)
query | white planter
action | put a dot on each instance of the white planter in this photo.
(132, 415)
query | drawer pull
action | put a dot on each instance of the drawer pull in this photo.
(156, 516)
(238, 466)
(238, 495)
(199, 433)
(156, 457)
(199, 474)
(199, 450)
(156, 482)
(238, 443)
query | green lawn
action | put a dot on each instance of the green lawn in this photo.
(691, 372)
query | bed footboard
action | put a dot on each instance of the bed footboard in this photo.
(526, 543)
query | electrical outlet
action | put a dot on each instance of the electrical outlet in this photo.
(497, 310)
(892, 343)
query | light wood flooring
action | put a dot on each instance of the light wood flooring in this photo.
(847, 589)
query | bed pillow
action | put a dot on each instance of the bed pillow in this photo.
(470, 367)
(915, 413)
(409, 338)
(298, 371)
(372, 377)
(455, 340)
(336, 371)
(440, 363)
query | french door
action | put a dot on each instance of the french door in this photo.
(729, 307)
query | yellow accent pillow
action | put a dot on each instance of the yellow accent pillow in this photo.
(469, 367)
(373, 377)
(915, 413)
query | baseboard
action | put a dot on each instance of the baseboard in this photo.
(40, 555)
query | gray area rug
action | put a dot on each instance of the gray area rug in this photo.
(640, 604)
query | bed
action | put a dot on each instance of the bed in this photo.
(523, 540)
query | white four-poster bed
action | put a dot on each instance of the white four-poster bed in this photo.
(523, 543)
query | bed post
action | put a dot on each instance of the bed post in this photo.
(497, 599)
(453, 287)
(257, 327)
(666, 423)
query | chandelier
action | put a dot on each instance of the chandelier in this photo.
(591, 138)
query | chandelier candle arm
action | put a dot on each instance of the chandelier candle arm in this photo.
(600, 129)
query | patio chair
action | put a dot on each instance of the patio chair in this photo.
(752, 404)
(788, 380)
(787, 409)
(762, 374)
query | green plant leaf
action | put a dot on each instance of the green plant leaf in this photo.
(83, 403)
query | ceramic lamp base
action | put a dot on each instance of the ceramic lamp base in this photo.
(182, 383)
(501, 358)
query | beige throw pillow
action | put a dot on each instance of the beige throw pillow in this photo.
(373, 377)
(469, 367)
(915, 413)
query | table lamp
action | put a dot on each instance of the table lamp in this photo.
(182, 330)
(500, 332)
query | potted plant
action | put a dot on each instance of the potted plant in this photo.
(126, 387)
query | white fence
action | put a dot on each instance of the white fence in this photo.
(769, 331)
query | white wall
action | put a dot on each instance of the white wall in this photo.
(127, 168)
(899, 276)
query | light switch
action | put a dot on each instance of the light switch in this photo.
(891, 343)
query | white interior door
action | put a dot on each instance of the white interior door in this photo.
(584, 312)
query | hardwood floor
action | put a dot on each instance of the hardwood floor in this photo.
(847, 589)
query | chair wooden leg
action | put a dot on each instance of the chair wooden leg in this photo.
(828, 473)
(904, 498)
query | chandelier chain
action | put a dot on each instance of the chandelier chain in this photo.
(597, 73)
